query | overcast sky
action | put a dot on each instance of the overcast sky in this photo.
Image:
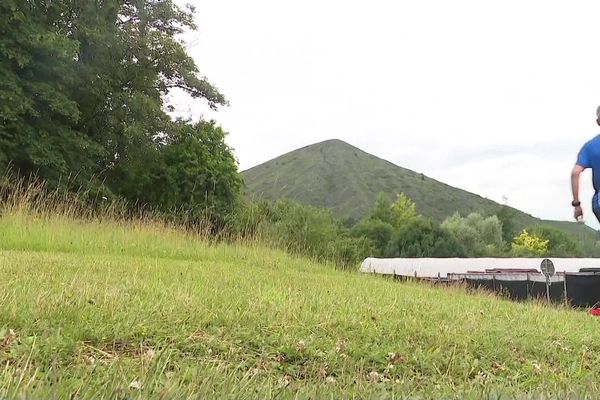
(494, 97)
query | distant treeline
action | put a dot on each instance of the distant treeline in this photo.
(395, 229)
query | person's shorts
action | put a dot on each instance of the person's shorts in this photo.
(596, 205)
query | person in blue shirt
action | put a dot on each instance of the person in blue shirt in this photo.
(588, 157)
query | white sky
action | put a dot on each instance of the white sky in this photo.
(494, 97)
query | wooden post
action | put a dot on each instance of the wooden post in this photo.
(565, 287)
(439, 278)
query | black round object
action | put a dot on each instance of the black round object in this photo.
(547, 267)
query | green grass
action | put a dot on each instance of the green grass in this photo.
(117, 310)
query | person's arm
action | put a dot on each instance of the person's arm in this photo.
(575, 173)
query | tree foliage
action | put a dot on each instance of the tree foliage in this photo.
(529, 245)
(403, 210)
(395, 214)
(38, 112)
(420, 237)
(82, 100)
(560, 244)
(479, 236)
(396, 230)
(379, 233)
(382, 210)
(507, 216)
(301, 229)
(194, 171)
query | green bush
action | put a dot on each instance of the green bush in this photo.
(529, 245)
(478, 236)
(377, 232)
(560, 244)
(422, 238)
(300, 229)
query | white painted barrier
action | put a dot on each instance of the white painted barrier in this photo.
(434, 267)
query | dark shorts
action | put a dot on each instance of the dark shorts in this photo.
(596, 205)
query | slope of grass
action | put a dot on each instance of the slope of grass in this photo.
(347, 180)
(113, 310)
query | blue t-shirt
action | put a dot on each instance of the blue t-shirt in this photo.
(589, 157)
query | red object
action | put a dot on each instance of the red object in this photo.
(595, 312)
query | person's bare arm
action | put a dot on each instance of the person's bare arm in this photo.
(577, 170)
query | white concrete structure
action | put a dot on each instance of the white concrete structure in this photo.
(431, 267)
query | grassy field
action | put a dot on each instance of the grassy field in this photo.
(122, 311)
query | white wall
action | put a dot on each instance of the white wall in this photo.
(430, 267)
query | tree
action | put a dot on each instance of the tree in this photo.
(395, 214)
(403, 210)
(382, 211)
(128, 60)
(82, 100)
(421, 238)
(303, 229)
(193, 172)
(202, 167)
(507, 215)
(385, 218)
(529, 245)
(560, 244)
(478, 235)
(37, 109)
(377, 232)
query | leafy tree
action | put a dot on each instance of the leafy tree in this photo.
(382, 211)
(303, 230)
(37, 109)
(202, 168)
(464, 233)
(420, 237)
(395, 214)
(128, 60)
(507, 215)
(377, 232)
(529, 245)
(193, 171)
(560, 244)
(385, 218)
(478, 235)
(82, 100)
(403, 210)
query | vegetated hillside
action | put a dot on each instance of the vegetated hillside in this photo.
(338, 176)
(133, 310)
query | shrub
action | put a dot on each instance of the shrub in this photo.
(422, 238)
(560, 244)
(479, 236)
(529, 245)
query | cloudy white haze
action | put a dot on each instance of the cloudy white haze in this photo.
(494, 97)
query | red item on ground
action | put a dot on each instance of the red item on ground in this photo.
(595, 312)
